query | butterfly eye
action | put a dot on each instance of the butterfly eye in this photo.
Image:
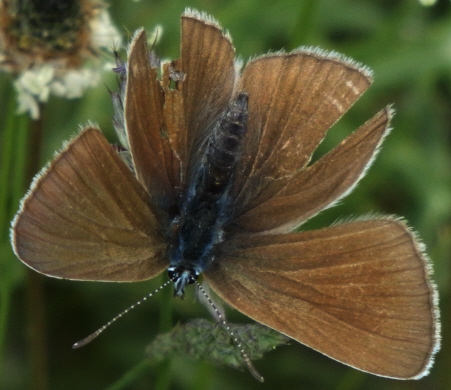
(193, 277)
(173, 274)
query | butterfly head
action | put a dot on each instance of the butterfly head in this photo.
(182, 275)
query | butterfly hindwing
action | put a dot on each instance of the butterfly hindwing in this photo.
(357, 292)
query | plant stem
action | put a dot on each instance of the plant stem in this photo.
(11, 172)
(163, 380)
(130, 377)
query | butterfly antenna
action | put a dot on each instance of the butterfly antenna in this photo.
(235, 338)
(92, 336)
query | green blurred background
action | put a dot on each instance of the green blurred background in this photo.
(409, 48)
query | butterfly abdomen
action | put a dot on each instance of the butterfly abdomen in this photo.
(203, 211)
(224, 147)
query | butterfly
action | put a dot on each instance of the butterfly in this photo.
(215, 179)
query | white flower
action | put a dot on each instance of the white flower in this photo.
(75, 82)
(33, 86)
(104, 33)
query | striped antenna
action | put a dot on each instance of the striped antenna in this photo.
(235, 338)
(92, 336)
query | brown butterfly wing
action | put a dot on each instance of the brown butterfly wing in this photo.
(319, 185)
(207, 61)
(293, 100)
(86, 217)
(166, 127)
(143, 110)
(358, 292)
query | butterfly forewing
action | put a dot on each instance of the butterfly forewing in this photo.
(319, 185)
(207, 61)
(150, 149)
(86, 217)
(358, 292)
(293, 100)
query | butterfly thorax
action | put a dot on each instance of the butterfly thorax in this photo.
(204, 210)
